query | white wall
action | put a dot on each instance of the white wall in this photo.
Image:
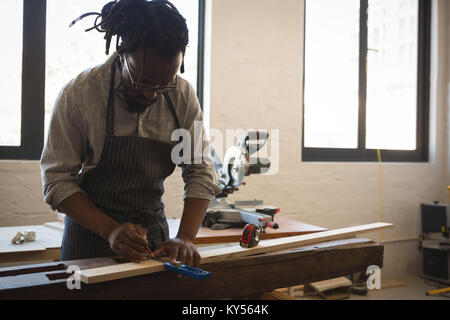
(447, 36)
(256, 76)
(256, 82)
(21, 200)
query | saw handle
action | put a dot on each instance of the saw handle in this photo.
(255, 136)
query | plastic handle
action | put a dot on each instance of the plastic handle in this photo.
(189, 271)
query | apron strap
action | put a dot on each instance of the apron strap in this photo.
(110, 105)
(172, 109)
(174, 114)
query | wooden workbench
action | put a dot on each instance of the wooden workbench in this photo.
(241, 277)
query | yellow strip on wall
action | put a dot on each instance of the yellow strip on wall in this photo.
(380, 178)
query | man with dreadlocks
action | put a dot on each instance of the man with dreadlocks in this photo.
(109, 144)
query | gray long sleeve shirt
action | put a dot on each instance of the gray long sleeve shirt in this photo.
(77, 131)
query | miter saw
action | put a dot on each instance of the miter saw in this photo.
(237, 164)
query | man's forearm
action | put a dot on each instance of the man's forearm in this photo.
(193, 213)
(81, 209)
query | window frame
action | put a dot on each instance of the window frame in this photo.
(33, 84)
(33, 79)
(361, 154)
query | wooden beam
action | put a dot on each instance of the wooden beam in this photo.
(132, 269)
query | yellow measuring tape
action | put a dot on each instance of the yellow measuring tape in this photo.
(380, 176)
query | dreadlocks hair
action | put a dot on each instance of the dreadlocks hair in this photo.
(156, 24)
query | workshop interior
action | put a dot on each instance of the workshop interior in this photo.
(324, 126)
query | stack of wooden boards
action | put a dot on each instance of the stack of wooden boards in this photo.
(232, 251)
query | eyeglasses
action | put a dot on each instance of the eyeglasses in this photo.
(138, 86)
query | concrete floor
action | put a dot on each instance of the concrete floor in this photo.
(414, 288)
(408, 287)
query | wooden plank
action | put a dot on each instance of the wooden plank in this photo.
(49, 236)
(120, 271)
(46, 247)
(287, 228)
(131, 269)
(236, 251)
(338, 293)
(331, 284)
(27, 257)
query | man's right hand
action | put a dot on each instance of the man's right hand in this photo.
(129, 241)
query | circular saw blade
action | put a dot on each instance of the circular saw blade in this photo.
(235, 162)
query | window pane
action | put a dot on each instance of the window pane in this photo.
(72, 50)
(392, 74)
(331, 74)
(11, 21)
(69, 51)
(189, 10)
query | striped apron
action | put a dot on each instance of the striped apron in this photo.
(127, 185)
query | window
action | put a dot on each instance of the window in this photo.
(53, 54)
(366, 71)
(23, 56)
(10, 83)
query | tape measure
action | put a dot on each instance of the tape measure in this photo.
(250, 236)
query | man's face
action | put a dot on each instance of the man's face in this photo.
(149, 70)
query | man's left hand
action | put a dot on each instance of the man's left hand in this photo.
(179, 250)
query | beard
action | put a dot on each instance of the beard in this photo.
(134, 103)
